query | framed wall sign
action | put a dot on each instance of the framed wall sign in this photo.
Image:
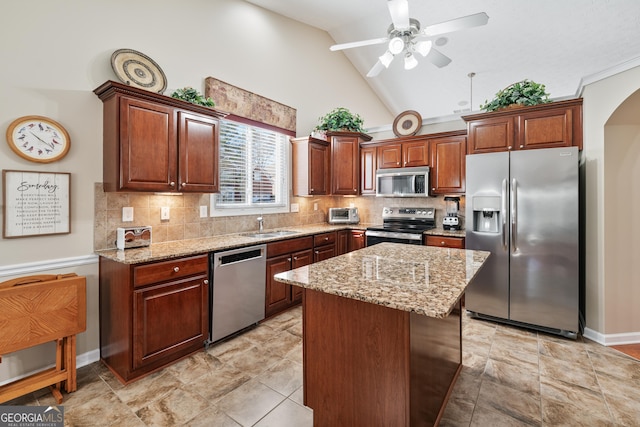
(35, 203)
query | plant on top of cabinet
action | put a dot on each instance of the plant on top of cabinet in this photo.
(525, 92)
(338, 119)
(191, 95)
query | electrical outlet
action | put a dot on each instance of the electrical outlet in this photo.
(164, 213)
(352, 205)
(295, 207)
(203, 211)
(315, 206)
(127, 214)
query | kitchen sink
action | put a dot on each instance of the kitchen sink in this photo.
(269, 234)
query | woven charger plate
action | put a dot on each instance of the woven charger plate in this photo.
(137, 69)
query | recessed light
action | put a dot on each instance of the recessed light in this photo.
(441, 41)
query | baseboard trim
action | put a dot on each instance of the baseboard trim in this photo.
(612, 339)
(83, 359)
(51, 264)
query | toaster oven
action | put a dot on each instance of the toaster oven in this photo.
(343, 216)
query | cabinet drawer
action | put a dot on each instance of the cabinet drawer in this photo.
(324, 239)
(287, 246)
(169, 270)
(445, 242)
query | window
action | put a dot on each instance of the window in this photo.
(253, 171)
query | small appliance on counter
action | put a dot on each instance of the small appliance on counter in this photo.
(343, 216)
(451, 221)
(133, 237)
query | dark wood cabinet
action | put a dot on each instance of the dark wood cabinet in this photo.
(152, 142)
(345, 162)
(445, 241)
(368, 166)
(152, 314)
(342, 241)
(356, 240)
(448, 164)
(283, 256)
(557, 124)
(409, 153)
(390, 156)
(324, 246)
(415, 153)
(311, 166)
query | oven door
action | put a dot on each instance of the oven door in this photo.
(374, 237)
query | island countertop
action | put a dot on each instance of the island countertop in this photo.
(426, 280)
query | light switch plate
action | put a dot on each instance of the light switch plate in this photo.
(127, 214)
(295, 207)
(164, 213)
(203, 211)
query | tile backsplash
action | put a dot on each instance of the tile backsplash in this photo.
(185, 223)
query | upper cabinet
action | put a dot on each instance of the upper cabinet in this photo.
(448, 163)
(152, 142)
(405, 152)
(345, 162)
(557, 124)
(311, 166)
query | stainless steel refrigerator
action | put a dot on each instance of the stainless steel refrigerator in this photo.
(523, 207)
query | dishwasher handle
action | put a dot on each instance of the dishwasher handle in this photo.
(222, 259)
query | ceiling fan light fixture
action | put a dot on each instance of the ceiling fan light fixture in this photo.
(396, 45)
(423, 47)
(410, 61)
(386, 59)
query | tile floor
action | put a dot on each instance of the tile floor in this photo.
(510, 377)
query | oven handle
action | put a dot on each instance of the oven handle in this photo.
(392, 235)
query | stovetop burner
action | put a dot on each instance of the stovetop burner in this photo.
(406, 220)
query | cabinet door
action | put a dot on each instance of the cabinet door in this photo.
(324, 252)
(368, 166)
(299, 259)
(148, 146)
(198, 155)
(491, 135)
(390, 156)
(169, 320)
(415, 154)
(318, 169)
(356, 240)
(278, 295)
(342, 242)
(345, 165)
(448, 165)
(545, 129)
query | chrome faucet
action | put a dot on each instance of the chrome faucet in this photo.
(260, 224)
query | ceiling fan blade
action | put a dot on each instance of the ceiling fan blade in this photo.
(375, 70)
(456, 24)
(399, 11)
(358, 44)
(438, 58)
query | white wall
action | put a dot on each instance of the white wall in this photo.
(55, 52)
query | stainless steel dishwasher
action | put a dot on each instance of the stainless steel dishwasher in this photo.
(238, 290)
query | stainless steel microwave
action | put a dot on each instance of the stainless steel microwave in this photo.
(403, 182)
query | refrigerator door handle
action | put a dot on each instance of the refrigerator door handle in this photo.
(503, 212)
(514, 214)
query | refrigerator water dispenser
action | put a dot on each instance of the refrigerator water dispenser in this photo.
(486, 214)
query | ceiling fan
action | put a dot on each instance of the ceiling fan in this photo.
(404, 36)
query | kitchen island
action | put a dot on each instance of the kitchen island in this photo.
(382, 332)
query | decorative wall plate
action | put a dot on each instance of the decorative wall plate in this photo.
(137, 69)
(38, 139)
(407, 123)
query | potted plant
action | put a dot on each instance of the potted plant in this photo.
(191, 95)
(523, 93)
(338, 119)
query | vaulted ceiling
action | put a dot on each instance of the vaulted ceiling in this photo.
(554, 42)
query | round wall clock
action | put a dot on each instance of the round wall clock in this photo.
(407, 123)
(38, 139)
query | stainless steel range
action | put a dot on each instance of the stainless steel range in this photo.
(402, 225)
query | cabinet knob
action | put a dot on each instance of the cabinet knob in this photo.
(289, 259)
(442, 243)
(433, 189)
(172, 183)
(206, 282)
(184, 184)
(326, 238)
(398, 163)
(295, 258)
(522, 146)
(317, 252)
(509, 147)
(176, 269)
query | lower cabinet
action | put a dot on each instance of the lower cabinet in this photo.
(445, 241)
(282, 256)
(152, 314)
(356, 240)
(324, 246)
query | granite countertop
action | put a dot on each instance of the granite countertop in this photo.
(180, 248)
(426, 280)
